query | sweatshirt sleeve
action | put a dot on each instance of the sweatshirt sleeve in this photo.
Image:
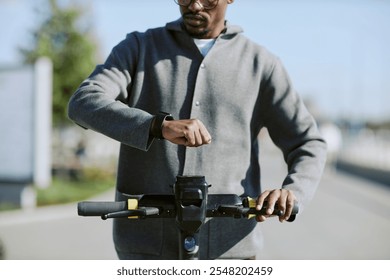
(294, 130)
(100, 102)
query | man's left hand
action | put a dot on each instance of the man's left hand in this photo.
(283, 198)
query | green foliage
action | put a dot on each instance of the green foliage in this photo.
(64, 190)
(61, 38)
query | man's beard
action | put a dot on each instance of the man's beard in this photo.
(193, 31)
(197, 34)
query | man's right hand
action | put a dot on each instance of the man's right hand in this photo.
(190, 133)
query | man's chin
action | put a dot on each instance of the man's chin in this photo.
(196, 32)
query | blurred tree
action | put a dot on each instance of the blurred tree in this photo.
(62, 38)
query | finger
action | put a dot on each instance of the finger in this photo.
(190, 138)
(179, 141)
(206, 137)
(261, 218)
(289, 206)
(261, 199)
(287, 201)
(282, 205)
(272, 199)
(198, 138)
(192, 133)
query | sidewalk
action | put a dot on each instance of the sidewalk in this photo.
(47, 213)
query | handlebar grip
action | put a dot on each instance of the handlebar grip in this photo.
(91, 208)
(251, 203)
(295, 209)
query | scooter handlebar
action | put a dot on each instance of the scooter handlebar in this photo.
(231, 206)
(99, 208)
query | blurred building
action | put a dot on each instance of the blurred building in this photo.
(25, 125)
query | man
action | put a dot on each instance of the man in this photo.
(221, 89)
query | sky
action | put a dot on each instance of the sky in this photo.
(337, 52)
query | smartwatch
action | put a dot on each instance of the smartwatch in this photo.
(156, 129)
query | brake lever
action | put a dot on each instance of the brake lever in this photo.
(141, 212)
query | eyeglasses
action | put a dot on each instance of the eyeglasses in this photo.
(206, 4)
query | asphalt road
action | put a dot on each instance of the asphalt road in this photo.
(348, 219)
(56, 233)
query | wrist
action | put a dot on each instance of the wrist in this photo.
(157, 124)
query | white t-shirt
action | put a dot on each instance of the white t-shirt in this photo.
(204, 45)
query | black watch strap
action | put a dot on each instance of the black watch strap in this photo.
(156, 129)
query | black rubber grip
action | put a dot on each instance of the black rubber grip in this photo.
(295, 209)
(92, 208)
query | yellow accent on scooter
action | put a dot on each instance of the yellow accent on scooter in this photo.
(251, 204)
(132, 204)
